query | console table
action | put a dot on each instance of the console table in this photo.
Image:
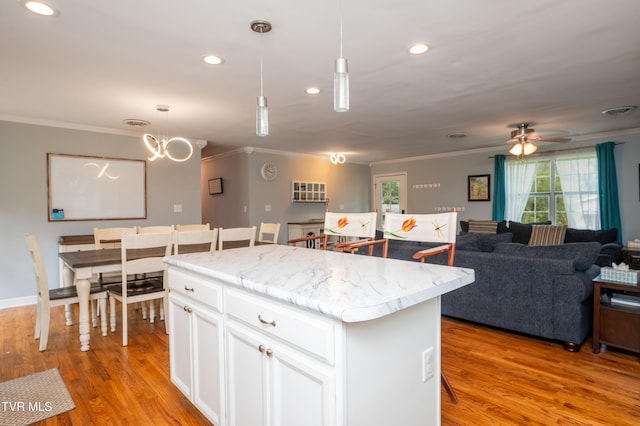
(614, 324)
(292, 336)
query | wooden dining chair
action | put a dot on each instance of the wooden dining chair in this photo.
(348, 228)
(195, 241)
(155, 229)
(154, 247)
(194, 227)
(268, 232)
(439, 228)
(48, 298)
(239, 237)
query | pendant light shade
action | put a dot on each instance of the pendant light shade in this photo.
(341, 86)
(262, 117)
(262, 113)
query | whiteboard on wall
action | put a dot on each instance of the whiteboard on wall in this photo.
(95, 188)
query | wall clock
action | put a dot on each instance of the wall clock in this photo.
(269, 171)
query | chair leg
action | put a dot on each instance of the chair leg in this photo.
(44, 328)
(125, 337)
(448, 388)
(38, 319)
(112, 314)
(103, 315)
(162, 311)
(94, 313)
(165, 305)
(152, 311)
(144, 310)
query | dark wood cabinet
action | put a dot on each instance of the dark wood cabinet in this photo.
(615, 324)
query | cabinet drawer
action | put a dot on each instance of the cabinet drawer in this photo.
(202, 289)
(287, 323)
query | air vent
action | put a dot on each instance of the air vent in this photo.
(457, 135)
(135, 122)
(619, 110)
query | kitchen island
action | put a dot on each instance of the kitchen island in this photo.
(279, 335)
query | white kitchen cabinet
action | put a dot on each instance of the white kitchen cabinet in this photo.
(271, 381)
(196, 343)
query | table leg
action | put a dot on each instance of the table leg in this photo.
(83, 286)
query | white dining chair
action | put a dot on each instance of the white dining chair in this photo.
(245, 236)
(194, 227)
(151, 288)
(268, 232)
(155, 229)
(48, 298)
(194, 241)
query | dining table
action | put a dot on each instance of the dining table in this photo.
(79, 267)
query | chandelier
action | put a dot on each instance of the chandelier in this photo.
(159, 147)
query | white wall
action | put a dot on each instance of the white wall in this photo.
(23, 195)
(347, 185)
(451, 173)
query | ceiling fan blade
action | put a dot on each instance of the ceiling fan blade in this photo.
(557, 140)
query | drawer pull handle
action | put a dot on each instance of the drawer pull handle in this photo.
(187, 288)
(265, 322)
(261, 348)
(188, 309)
(269, 352)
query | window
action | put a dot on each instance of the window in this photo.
(562, 189)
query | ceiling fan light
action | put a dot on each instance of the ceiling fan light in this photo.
(516, 150)
(528, 148)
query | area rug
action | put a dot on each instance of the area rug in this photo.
(32, 398)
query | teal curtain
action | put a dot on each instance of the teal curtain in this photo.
(499, 188)
(608, 188)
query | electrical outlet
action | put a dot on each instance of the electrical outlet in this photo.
(267, 207)
(427, 364)
(177, 208)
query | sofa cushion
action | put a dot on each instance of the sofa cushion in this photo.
(583, 255)
(547, 235)
(603, 236)
(483, 226)
(500, 229)
(468, 241)
(522, 231)
(488, 242)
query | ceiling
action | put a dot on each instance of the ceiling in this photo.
(493, 64)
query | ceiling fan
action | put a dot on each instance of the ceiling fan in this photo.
(521, 138)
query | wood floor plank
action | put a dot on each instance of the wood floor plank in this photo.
(500, 377)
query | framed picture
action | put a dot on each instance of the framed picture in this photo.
(479, 188)
(215, 186)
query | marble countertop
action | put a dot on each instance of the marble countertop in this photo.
(348, 287)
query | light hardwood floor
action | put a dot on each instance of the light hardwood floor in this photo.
(501, 378)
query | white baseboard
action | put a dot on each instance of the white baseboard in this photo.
(18, 301)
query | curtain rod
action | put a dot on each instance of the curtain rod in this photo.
(537, 154)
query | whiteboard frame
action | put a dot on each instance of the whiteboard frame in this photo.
(131, 188)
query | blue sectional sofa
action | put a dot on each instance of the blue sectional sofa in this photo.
(543, 291)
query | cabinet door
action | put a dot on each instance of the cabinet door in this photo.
(246, 377)
(180, 363)
(208, 375)
(302, 391)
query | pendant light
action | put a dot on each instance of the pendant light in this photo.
(262, 113)
(159, 147)
(341, 78)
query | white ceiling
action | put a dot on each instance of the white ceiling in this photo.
(494, 63)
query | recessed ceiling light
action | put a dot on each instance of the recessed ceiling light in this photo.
(39, 7)
(419, 48)
(213, 60)
(312, 91)
(620, 110)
